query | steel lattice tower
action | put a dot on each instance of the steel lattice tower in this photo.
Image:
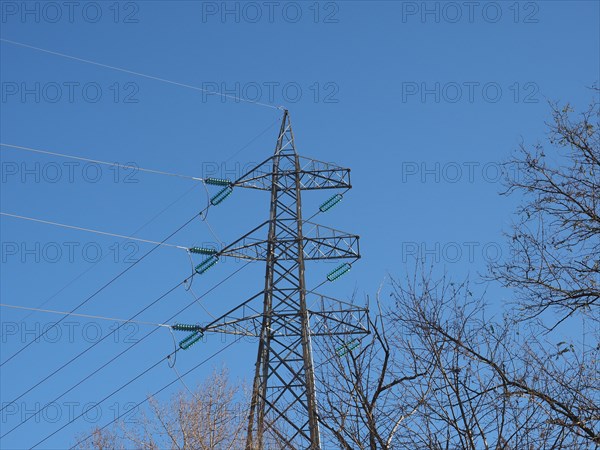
(283, 411)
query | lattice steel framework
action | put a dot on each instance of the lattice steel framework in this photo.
(283, 411)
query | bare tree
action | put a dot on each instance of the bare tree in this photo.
(492, 384)
(361, 387)
(209, 417)
(556, 242)
(438, 373)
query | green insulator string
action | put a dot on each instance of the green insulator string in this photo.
(221, 195)
(186, 327)
(191, 340)
(348, 347)
(202, 250)
(217, 181)
(331, 202)
(206, 264)
(338, 272)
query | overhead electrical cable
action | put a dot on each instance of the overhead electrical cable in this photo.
(143, 75)
(121, 353)
(204, 361)
(90, 230)
(87, 316)
(203, 215)
(138, 376)
(83, 352)
(44, 302)
(104, 286)
(96, 161)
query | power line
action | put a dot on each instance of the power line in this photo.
(252, 140)
(202, 214)
(246, 145)
(146, 399)
(122, 352)
(106, 336)
(88, 349)
(107, 397)
(96, 161)
(117, 356)
(127, 166)
(102, 288)
(281, 336)
(90, 230)
(106, 256)
(179, 377)
(139, 74)
(88, 316)
(85, 378)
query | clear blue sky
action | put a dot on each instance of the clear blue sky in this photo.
(422, 102)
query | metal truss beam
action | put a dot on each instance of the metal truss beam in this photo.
(285, 315)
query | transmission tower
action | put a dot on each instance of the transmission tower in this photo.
(283, 411)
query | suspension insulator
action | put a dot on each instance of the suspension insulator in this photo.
(202, 250)
(186, 327)
(338, 272)
(348, 347)
(221, 195)
(190, 340)
(330, 203)
(217, 181)
(206, 264)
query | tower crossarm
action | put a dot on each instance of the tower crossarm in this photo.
(333, 317)
(313, 174)
(320, 242)
(259, 177)
(329, 317)
(322, 175)
(243, 320)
